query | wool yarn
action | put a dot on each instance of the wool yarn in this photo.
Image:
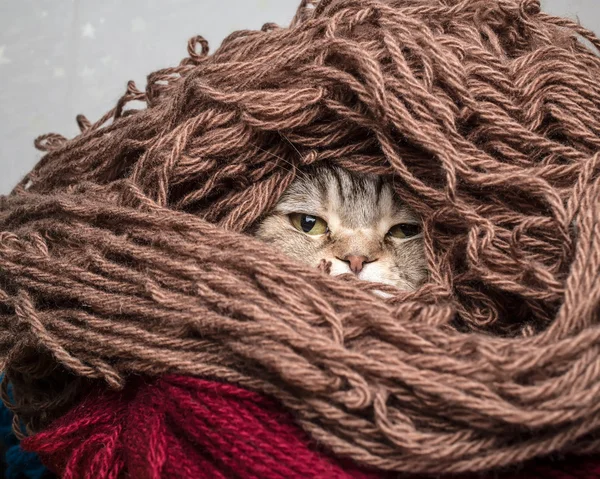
(16, 463)
(126, 252)
(194, 428)
(182, 427)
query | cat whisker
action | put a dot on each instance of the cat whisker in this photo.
(294, 169)
(291, 144)
(305, 176)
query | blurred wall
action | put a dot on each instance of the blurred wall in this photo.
(59, 58)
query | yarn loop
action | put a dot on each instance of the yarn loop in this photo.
(126, 251)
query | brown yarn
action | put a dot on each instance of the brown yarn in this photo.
(123, 251)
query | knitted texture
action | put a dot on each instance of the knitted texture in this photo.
(125, 252)
(192, 428)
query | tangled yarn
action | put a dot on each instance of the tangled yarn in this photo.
(182, 427)
(126, 252)
(193, 428)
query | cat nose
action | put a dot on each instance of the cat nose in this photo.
(356, 262)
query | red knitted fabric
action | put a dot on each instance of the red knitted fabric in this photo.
(182, 427)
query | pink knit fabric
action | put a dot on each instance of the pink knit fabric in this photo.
(182, 427)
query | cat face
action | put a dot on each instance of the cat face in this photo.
(356, 222)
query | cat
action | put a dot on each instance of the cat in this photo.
(355, 221)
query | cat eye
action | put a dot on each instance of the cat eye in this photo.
(404, 230)
(311, 225)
